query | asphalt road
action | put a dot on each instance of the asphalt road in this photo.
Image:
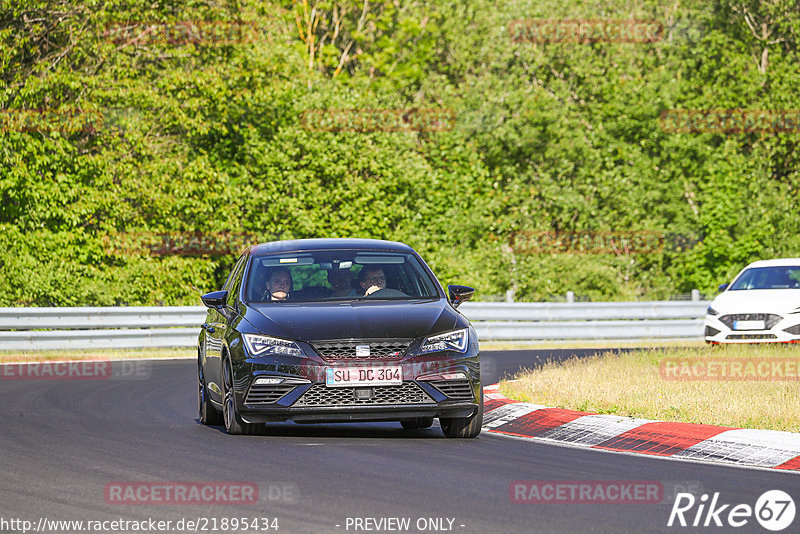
(64, 442)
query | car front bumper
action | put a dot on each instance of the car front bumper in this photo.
(343, 414)
(303, 395)
(777, 328)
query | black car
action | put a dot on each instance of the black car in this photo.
(338, 330)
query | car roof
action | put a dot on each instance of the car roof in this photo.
(778, 262)
(299, 245)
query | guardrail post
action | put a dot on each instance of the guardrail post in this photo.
(695, 295)
(570, 296)
(509, 295)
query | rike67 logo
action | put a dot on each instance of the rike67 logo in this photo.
(774, 510)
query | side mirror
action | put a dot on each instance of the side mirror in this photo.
(215, 299)
(459, 294)
(723, 287)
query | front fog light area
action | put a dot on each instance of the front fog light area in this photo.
(268, 380)
(711, 331)
(262, 345)
(459, 375)
(454, 385)
(794, 330)
(456, 341)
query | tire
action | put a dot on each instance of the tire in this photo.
(417, 423)
(206, 411)
(230, 418)
(463, 427)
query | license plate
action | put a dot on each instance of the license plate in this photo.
(749, 325)
(363, 376)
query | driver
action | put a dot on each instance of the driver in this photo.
(372, 279)
(279, 284)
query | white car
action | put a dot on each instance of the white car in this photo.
(761, 305)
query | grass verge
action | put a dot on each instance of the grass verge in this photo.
(640, 384)
(94, 354)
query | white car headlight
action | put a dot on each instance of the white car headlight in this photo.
(456, 340)
(258, 345)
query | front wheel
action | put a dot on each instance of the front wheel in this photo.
(463, 427)
(233, 423)
(206, 411)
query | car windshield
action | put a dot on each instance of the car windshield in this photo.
(768, 278)
(338, 275)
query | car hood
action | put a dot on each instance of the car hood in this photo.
(355, 319)
(758, 301)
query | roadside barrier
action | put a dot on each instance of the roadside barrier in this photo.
(179, 326)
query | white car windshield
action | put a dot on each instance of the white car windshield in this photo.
(335, 275)
(768, 278)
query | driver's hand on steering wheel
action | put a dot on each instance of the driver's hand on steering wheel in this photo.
(373, 283)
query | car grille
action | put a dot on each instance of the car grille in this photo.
(379, 349)
(407, 393)
(770, 319)
(454, 389)
(751, 336)
(267, 393)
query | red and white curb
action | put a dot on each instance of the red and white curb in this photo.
(741, 446)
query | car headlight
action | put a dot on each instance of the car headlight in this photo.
(712, 311)
(258, 345)
(456, 340)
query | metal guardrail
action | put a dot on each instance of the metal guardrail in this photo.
(110, 317)
(495, 321)
(123, 338)
(101, 328)
(583, 311)
(179, 326)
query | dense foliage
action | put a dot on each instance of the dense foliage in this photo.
(192, 118)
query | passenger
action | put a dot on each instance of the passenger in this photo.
(279, 284)
(340, 283)
(372, 279)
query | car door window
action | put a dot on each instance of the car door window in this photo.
(232, 274)
(234, 282)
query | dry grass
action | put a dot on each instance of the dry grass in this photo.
(631, 384)
(94, 354)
